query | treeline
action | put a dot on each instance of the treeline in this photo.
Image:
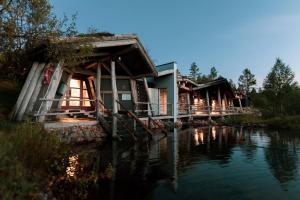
(279, 95)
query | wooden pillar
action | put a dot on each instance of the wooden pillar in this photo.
(51, 91)
(225, 101)
(188, 98)
(36, 92)
(208, 104)
(32, 85)
(114, 98)
(98, 90)
(220, 100)
(240, 103)
(134, 98)
(24, 90)
(148, 95)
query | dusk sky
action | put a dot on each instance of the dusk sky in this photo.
(230, 35)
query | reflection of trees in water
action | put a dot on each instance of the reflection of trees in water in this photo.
(249, 146)
(281, 155)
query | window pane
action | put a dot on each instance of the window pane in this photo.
(75, 92)
(123, 85)
(74, 102)
(86, 103)
(74, 83)
(85, 94)
(83, 83)
(105, 84)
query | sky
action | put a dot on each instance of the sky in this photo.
(230, 35)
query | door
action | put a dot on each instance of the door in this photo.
(163, 101)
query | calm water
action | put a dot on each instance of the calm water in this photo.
(202, 163)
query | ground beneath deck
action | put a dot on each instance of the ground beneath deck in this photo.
(69, 122)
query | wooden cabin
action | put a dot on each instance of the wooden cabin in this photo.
(185, 94)
(214, 98)
(163, 92)
(110, 80)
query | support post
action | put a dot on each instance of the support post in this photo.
(24, 90)
(98, 90)
(208, 104)
(36, 92)
(148, 95)
(52, 88)
(188, 102)
(240, 103)
(114, 98)
(134, 99)
(225, 101)
(30, 90)
(220, 102)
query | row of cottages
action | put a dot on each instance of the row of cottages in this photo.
(175, 96)
(117, 79)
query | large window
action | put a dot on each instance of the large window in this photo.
(77, 91)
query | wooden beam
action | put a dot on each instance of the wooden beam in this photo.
(126, 50)
(125, 68)
(98, 92)
(225, 101)
(35, 93)
(114, 98)
(50, 93)
(208, 103)
(94, 64)
(24, 90)
(83, 71)
(106, 67)
(148, 94)
(220, 100)
(29, 92)
(240, 103)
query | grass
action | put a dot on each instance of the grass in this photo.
(282, 122)
(28, 156)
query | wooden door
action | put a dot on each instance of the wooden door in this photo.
(163, 101)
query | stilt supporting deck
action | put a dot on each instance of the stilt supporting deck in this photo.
(98, 90)
(114, 98)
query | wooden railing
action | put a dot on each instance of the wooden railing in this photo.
(125, 125)
(153, 109)
(134, 117)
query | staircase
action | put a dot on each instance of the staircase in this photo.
(125, 124)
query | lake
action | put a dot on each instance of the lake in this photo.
(199, 163)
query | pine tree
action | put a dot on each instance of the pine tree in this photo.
(246, 81)
(194, 71)
(213, 73)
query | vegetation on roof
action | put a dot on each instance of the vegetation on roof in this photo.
(96, 34)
